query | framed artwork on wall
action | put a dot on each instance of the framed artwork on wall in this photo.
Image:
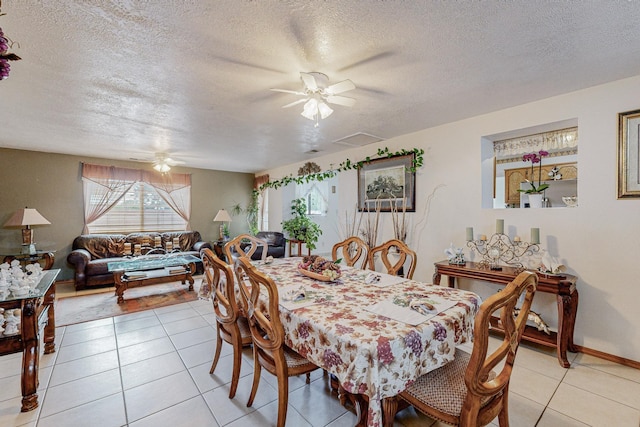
(629, 154)
(388, 182)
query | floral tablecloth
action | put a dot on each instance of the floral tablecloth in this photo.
(369, 353)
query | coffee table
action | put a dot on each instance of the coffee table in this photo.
(150, 270)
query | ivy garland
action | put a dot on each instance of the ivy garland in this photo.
(346, 165)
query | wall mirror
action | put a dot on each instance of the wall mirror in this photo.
(504, 172)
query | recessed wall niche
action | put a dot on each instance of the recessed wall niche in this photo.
(504, 172)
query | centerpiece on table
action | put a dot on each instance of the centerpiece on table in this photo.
(535, 193)
(319, 268)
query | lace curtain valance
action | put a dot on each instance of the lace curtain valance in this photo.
(557, 140)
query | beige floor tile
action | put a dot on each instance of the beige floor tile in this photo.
(532, 385)
(193, 337)
(348, 419)
(409, 417)
(227, 410)
(191, 413)
(522, 411)
(139, 336)
(543, 361)
(316, 403)
(10, 414)
(145, 350)
(552, 418)
(89, 325)
(155, 396)
(601, 383)
(75, 393)
(10, 387)
(202, 353)
(83, 335)
(222, 375)
(87, 366)
(134, 316)
(183, 325)
(172, 316)
(10, 365)
(267, 415)
(592, 409)
(609, 367)
(135, 324)
(148, 370)
(105, 412)
(88, 348)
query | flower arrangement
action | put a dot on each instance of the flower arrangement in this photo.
(5, 56)
(535, 158)
(319, 265)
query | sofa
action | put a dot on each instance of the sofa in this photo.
(277, 244)
(92, 252)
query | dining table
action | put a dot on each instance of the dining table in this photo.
(361, 328)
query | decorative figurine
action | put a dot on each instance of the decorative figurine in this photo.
(12, 319)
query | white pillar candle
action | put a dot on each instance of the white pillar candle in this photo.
(169, 246)
(176, 242)
(157, 241)
(500, 226)
(127, 248)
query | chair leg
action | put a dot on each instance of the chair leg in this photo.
(237, 362)
(283, 399)
(503, 416)
(218, 349)
(308, 377)
(257, 369)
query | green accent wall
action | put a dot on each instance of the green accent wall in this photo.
(52, 184)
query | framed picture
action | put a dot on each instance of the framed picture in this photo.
(388, 182)
(629, 154)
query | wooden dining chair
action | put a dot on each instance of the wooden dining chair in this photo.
(261, 304)
(468, 391)
(244, 245)
(231, 325)
(352, 250)
(394, 267)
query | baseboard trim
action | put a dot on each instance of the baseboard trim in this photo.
(609, 357)
(65, 282)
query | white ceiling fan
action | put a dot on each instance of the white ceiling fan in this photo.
(318, 93)
(161, 163)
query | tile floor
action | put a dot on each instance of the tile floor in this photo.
(152, 369)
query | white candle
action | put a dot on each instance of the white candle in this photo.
(516, 239)
(483, 237)
(176, 242)
(127, 248)
(157, 242)
(169, 246)
(137, 248)
(500, 226)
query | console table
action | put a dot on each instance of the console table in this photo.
(563, 286)
(36, 309)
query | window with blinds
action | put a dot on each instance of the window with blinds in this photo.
(141, 209)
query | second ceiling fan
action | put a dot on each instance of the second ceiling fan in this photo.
(318, 93)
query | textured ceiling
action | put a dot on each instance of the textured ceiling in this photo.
(127, 79)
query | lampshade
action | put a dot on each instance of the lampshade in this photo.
(325, 110)
(27, 217)
(223, 216)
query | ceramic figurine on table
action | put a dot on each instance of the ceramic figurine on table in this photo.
(12, 319)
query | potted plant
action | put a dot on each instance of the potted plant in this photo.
(300, 227)
(536, 191)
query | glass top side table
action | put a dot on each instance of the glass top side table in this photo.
(47, 257)
(35, 309)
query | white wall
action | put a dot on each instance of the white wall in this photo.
(599, 241)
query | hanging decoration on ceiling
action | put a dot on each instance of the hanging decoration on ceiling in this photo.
(308, 168)
(318, 93)
(5, 55)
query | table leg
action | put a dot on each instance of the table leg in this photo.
(50, 328)
(120, 285)
(567, 310)
(30, 356)
(190, 269)
(389, 409)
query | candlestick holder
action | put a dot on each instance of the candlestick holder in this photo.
(499, 248)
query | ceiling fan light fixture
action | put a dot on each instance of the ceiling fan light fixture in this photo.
(325, 110)
(310, 110)
(162, 167)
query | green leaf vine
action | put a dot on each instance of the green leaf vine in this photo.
(417, 162)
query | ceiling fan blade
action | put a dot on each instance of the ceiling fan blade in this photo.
(340, 87)
(295, 92)
(309, 81)
(341, 100)
(299, 101)
(173, 162)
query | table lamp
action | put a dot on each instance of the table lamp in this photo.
(222, 216)
(27, 217)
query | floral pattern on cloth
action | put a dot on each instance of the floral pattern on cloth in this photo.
(371, 354)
